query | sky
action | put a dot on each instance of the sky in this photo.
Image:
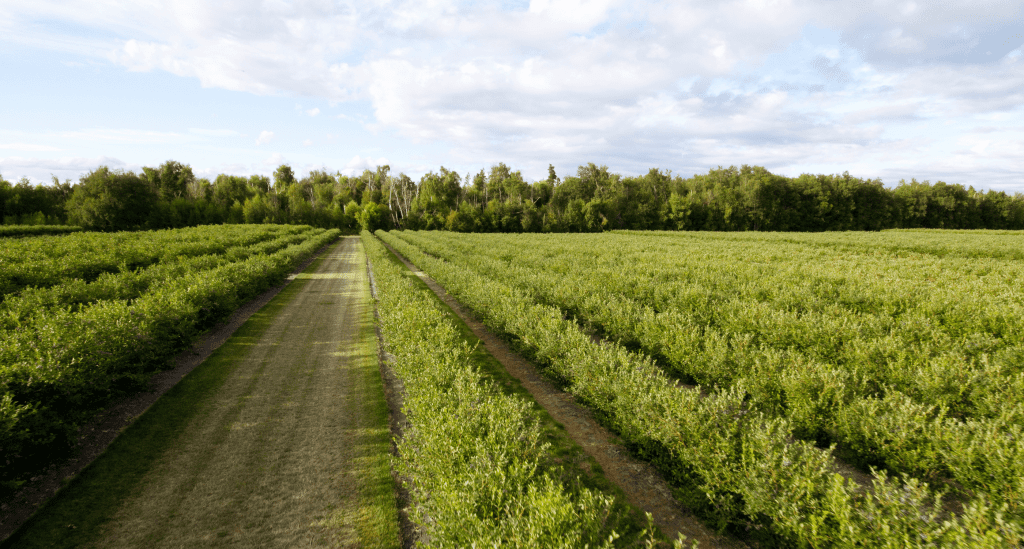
(881, 89)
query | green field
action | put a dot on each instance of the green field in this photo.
(753, 368)
(794, 389)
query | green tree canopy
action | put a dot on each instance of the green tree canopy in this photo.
(112, 200)
(171, 180)
(284, 177)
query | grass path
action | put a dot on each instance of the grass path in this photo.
(280, 439)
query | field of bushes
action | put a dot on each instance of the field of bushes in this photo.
(753, 368)
(796, 389)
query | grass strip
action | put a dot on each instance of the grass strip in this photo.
(377, 520)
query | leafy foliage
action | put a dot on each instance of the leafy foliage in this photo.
(748, 198)
(732, 447)
(106, 200)
(888, 371)
(22, 203)
(477, 470)
(36, 230)
(49, 260)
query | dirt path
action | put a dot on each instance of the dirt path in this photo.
(286, 452)
(643, 485)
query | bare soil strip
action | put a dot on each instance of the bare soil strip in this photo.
(288, 450)
(644, 487)
(96, 436)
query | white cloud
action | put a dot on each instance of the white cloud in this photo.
(122, 136)
(307, 142)
(27, 147)
(264, 138)
(213, 133)
(39, 170)
(685, 85)
(358, 163)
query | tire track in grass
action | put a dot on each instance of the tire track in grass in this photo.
(289, 449)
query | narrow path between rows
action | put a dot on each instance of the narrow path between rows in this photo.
(644, 487)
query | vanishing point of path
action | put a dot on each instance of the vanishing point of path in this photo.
(280, 439)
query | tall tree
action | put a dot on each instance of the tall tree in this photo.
(171, 179)
(284, 177)
(106, 200)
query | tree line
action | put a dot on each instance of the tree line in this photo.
(502, 200)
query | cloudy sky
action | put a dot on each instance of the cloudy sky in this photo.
(888, 89)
